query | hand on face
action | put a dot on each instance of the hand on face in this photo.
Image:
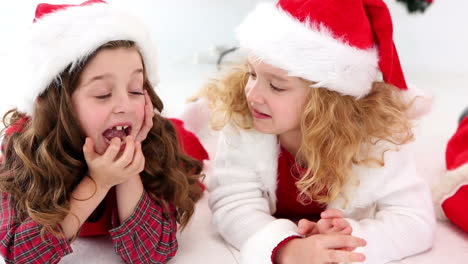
(148, 120)
(111, 169)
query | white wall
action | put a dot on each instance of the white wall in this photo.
(435, 40)
(429, 43)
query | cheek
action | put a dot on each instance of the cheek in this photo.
(288, 110)
(90, 117)
(140, 109)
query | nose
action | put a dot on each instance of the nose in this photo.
(121, 102)
(253, 92)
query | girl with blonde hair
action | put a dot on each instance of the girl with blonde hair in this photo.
(312, 161)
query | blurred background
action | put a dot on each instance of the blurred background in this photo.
(190, 35)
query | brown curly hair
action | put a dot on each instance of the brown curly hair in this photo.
(337, 131)
(45, 162)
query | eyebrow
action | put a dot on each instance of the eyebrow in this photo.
(108, 75)
(274, 76)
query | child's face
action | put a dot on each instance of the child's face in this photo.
(109, 99)
(276, 100)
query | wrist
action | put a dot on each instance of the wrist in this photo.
(281, 253)
(96, 187)
(130, 181)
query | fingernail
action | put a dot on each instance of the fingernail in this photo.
(359, 257)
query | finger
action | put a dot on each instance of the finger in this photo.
(306, 227)
(341, 241)
(148, 104)
(112, 150)
(346, 231)
(1, 158)
(344, 256)
(148, 120)
(348, 249)
(332, 213)
(127, 156)
(325, 226)
(88, 150)
(138, 162)
(141, 158)
(340, 224)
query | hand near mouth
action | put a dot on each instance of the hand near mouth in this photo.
(111, 169)
(148, 122)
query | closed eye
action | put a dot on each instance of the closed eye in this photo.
(103, 96)
(277, 88)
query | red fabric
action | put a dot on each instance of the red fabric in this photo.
(103, 224)
(15, 128)
(287, 204)
(190, 143)
(44, 8)
(457, 147)
(135, 244)
(456, 208)
(281, 244)
(21, 242)
(361, 24)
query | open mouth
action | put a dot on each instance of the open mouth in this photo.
(117, 131)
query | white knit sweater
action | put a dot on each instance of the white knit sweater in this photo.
(391, 207)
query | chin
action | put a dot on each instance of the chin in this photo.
(264, 129)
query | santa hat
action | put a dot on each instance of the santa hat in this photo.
(343, 45)
(64, 35)
(451, 193)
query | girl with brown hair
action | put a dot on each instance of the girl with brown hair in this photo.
(84, 152)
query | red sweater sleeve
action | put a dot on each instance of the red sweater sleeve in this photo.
(21, 242)
(147, 236)
(189, 142)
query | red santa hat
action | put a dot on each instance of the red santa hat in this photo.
(451, 193)
(341, 45)
(64, 35)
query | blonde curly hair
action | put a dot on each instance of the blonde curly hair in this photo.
(332, 144)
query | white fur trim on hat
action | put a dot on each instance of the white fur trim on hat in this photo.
(448, 185)
(277, 38)
(67, 37)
